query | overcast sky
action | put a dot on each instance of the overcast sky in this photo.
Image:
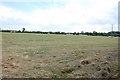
(59, 15)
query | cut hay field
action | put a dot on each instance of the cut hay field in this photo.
(28, 55)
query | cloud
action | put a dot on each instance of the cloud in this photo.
(10, 16)
(74, 15)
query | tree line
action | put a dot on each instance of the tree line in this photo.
(94, 33)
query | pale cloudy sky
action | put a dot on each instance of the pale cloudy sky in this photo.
(59, 15)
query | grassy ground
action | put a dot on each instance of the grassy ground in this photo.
(58, 56)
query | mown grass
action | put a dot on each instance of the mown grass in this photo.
(21, 43)
(50, 50)
(56, 41)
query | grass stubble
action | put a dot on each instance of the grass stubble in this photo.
(58, 56)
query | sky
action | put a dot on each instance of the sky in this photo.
(59, 15)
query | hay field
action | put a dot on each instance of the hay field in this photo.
(28, 55)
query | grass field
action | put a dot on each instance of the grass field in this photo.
(58, 56)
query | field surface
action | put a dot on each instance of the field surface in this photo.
(58, 56)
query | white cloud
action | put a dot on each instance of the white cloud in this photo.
(89, 15)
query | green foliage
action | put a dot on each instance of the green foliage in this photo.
(23, 29)
(94, 33)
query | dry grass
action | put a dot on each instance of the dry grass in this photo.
(58, 56)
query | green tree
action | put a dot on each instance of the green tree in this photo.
(94, 33)
(23, 29)
(82, 32)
